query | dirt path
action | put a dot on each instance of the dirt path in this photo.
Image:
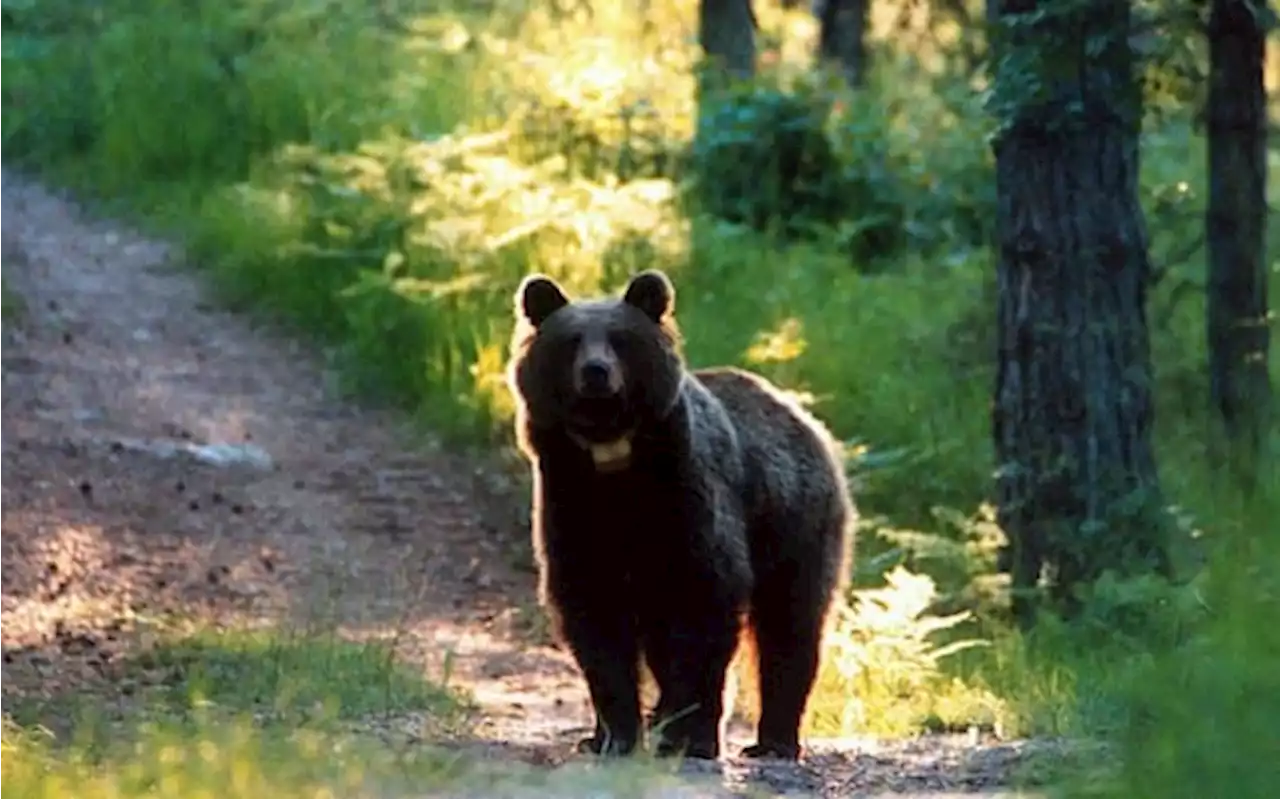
(355, 521)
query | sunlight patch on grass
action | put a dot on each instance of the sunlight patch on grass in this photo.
(226, 759)
(237, 713)
(288, 675)
(275, 677)
(238, 761)
(882, 670)
(882, 673)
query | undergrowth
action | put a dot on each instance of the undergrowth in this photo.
(201, 712)
(268, 713)
(383, 174)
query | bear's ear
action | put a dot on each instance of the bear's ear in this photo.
(651, 292)
(538, 297)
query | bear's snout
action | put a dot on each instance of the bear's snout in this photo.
(596, 373)
(594, 379)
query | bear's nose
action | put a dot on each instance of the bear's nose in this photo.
(595, 379)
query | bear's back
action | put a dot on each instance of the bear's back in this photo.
(767, 419)
(793, 465)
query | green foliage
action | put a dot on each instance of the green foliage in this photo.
(208, 713)
(292, 675)
(762, 158)
(229, 759)
(886, 652)
(236, 760)
(901, 169)
(162, 90)
(929, 138)
(1063, 68)
(405, 254)
(280, 677)
(569, 93)
(1203, 721)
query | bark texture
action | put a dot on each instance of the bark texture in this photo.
(1236, 219)
(1072, 412)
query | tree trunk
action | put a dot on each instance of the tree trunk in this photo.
(1077, 486)
(1235, 222)
(727, 33)
(842, 37)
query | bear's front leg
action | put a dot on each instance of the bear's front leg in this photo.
(690, 660)
(607, 652)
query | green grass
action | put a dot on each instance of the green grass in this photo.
(232, 760)
(238, 761)
(382, 176)
(267, 713)
(229, 712)
(294, 674)
(278, 677)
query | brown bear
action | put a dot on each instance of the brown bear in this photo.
(670, 507)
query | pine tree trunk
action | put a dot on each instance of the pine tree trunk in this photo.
(1235, 222)
(1077, 485)
(842, 37)
(727, 33)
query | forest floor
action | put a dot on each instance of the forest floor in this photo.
(124, 383)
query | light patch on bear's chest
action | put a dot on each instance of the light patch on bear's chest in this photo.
(614, 456)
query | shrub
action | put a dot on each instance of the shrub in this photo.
(762, 158)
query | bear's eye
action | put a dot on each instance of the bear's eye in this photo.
(567, 345)
(620, 342)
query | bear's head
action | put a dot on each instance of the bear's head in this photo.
(596, 369)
